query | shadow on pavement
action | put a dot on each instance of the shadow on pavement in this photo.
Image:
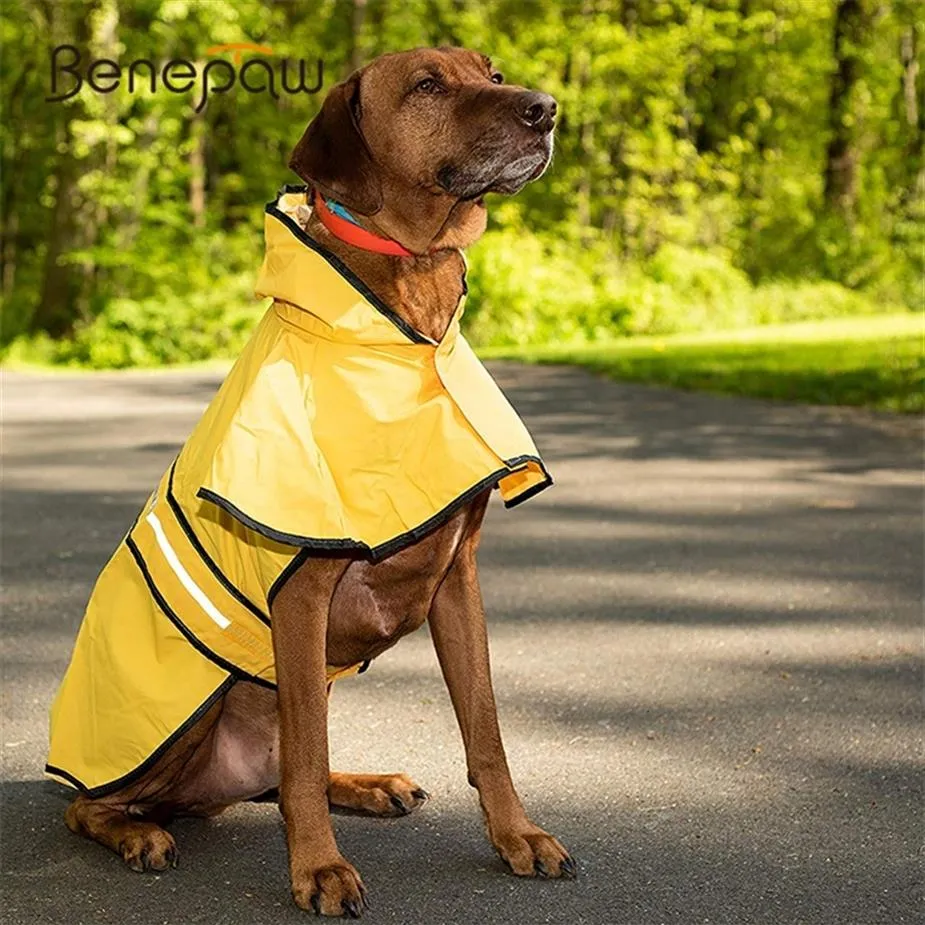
(637, 868)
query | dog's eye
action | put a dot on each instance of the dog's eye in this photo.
(429, 85)
(497, 78)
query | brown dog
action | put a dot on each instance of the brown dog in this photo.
(410, 144)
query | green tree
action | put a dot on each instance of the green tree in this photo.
(699, 140)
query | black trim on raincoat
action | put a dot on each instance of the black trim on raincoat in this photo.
(223, 579)
(272, 208)
(364, 550)
(139, 770)
(190, 636)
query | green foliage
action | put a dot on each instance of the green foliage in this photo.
(208, 323)
(682, 289)
(876, 362)
(688, 189)
(522, 290)
(530, 290)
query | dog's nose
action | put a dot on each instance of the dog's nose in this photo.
(538, 110)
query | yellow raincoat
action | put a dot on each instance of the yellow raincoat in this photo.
(340, 428)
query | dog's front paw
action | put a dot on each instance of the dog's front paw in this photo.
(535, 853)
(332, 889)
(375, 794)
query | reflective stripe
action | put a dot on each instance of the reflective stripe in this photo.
(197, 593)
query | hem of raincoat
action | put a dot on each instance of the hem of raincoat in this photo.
(317, 546)
(209, 562)
(272, 208)
(186, 632)
(520, 462)
(533, 491)
(112, 786)
(329, 547)
(529, 493)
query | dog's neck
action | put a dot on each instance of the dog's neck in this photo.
(428, 221)
(425, 288)
(424, 218)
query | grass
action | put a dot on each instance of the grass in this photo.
(874, 361)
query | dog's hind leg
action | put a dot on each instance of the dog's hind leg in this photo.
(229, 755)
(142, 845)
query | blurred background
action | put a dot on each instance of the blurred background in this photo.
(735, 203)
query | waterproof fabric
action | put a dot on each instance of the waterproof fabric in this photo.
(339, 429)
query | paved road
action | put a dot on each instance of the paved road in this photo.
(707, 652)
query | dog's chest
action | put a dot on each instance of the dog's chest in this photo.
(427, 297)
(375, 604)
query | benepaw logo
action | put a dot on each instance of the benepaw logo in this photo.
(254, 75)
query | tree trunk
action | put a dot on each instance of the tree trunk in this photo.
(197, 163)
(357, 17)
(55, 313)
(629, 14)
(131, 224)
(8, 251)
(842, 155)
(583, 58)
(58, 304)
(910, 62)
(11, 200)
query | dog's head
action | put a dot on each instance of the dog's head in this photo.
(413, 135)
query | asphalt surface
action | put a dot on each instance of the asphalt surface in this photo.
(707, 649)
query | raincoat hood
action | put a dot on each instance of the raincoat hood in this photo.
(339, 429)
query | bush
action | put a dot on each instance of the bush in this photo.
(528, 290)
(780, 302)
(208, 324)
(681, 289)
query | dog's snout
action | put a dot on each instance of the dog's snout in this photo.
(538, 110)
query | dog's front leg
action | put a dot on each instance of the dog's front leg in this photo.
(321, 878)
(457, 623)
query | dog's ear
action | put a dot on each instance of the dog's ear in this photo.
(332, 154)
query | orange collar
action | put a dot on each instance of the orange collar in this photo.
(353, 234)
